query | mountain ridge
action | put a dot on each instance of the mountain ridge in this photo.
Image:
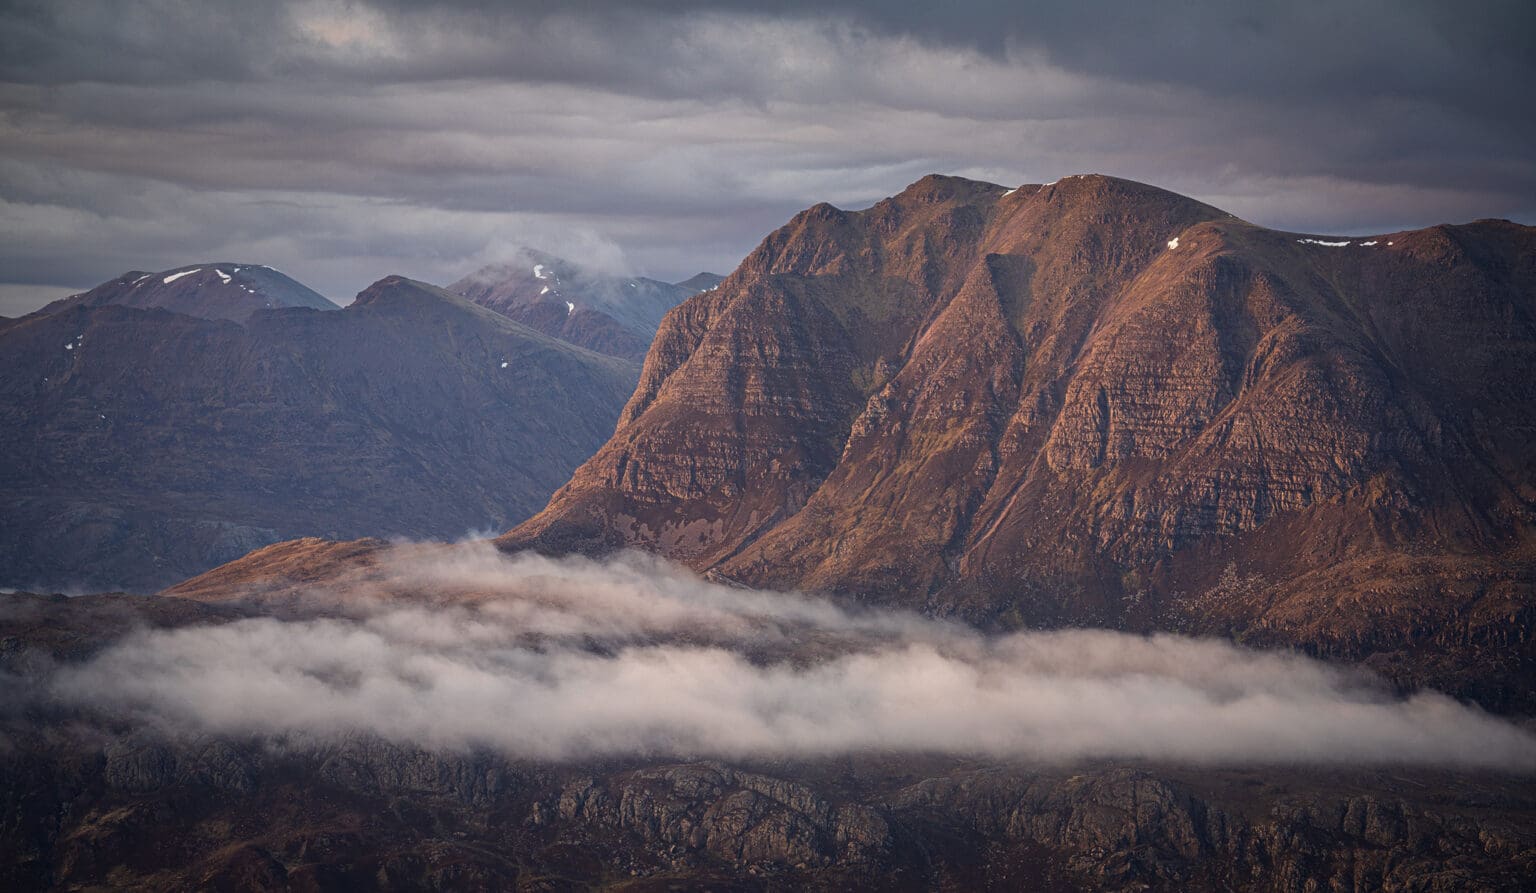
(1082, 402)
(146, 445)
(231, 291)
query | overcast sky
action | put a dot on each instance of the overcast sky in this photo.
(341, 141)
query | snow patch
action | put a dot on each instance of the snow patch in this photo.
(174, 276)
(1367, 244)
(223, 276)
(1321, 242)
(1173, 243)
(69, 346)
(569, 308)
(503, 364)
(142, 278)
(544, 290)
(1010, 192)
(538, 271)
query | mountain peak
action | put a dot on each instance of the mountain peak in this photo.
(402, 294)
(586, 306)
(945, 188)
(219, 290)
(1057, 404)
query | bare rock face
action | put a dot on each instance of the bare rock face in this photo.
(1096, 401)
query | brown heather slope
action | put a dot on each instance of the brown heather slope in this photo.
(1024, 406)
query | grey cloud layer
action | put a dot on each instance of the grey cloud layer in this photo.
(461, 647)
(344, 140)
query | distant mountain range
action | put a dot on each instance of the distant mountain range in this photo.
(144, 445)
(1098, 402)
(614, 315)
(1085, 403)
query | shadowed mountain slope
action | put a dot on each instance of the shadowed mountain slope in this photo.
(143, 446)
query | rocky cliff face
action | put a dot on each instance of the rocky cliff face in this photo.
(143, 446)
(1096, 401)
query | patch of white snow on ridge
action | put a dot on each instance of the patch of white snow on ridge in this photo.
(69, 346)
(142, 278)
(1173, 243)
(1321, 242)
(538, 271)
(174, 276)
(1367, 244)
(544, 290)
(503, 364)
(1010, 192)
(569, 308)
(223, 276)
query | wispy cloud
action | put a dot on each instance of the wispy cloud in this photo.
(462, 646)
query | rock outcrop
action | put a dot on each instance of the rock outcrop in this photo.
(367, 815)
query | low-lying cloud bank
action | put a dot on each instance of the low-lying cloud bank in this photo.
(463, 647)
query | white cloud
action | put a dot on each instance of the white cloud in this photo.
(461, 646)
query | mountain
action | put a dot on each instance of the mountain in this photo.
(208, 291)
(609, 314)
(700, 282)
(1099, 402)
(143, 446)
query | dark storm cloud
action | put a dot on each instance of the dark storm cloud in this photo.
(343, 140)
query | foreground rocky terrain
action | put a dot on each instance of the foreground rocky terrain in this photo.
(89, 801)
(143, 446)
(1097, 402)
(368, 816)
